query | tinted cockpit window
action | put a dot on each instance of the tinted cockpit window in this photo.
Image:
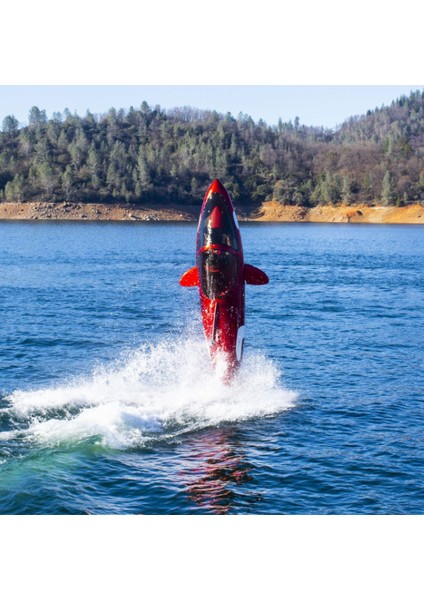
(218, 272)
(217, 226)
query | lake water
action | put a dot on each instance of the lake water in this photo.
(109, 404)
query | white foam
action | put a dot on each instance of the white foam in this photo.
(157, 391)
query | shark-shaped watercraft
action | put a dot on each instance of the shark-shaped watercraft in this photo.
(220, 275)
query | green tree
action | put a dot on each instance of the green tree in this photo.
(14, 189)
(387, 194)
(329, 189)
(67, 181)
(10, 124)
(76, 154)
(346, 192)
(144, 176)
(26, 142)
(94, 165)
(43, 174)
(42, 150)
(37, 116)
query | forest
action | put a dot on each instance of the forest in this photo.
(148, 155)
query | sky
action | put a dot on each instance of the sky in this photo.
(318, 105)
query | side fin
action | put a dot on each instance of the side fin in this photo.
(190, 278)
(254, 276)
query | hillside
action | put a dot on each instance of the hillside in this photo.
(150, 156)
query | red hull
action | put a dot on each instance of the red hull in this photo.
(220, 275)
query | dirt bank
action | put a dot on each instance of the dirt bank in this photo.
(273, 211)
(269, 211)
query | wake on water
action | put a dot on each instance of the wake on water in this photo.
(156, 392)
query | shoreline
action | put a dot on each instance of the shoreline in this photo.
(270, 211)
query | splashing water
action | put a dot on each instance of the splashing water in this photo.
(157, 392)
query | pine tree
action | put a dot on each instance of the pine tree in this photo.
(37, 116)
(346, 192)
(14, 189)
(67, 181)
(387, 195)
(10, 124)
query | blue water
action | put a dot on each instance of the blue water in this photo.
(109, 404)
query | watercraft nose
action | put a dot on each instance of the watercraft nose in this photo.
(216, 187)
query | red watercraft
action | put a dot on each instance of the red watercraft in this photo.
(220, 274)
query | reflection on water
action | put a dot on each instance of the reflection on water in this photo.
(216, 466)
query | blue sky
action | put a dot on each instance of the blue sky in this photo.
(326, 105)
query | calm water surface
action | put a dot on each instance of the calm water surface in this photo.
(109, 405)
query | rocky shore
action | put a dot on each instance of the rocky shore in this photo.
(78, 211)
(269, 211)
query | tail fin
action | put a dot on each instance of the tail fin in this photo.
(190, 278)
(254, 276)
